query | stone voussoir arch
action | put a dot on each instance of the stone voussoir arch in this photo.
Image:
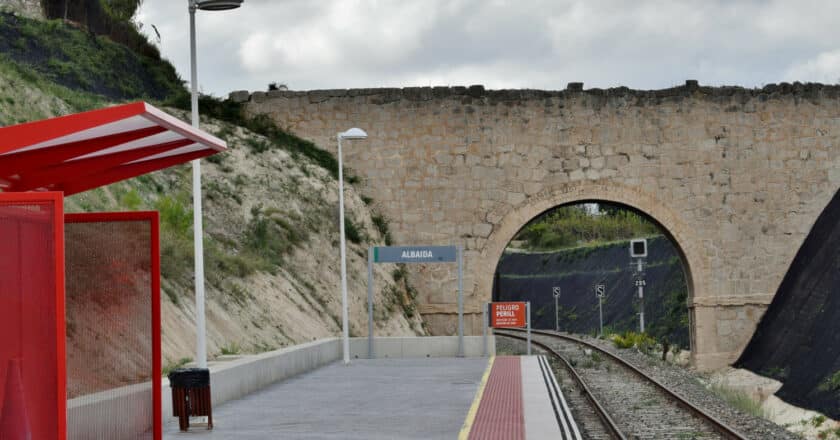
(605, 191)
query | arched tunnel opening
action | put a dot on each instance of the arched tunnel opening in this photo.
(572, 249)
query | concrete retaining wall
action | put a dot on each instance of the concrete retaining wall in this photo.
(236, 379)
(427, 346)
(126, 408)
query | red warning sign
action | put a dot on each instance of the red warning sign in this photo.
(507, 314)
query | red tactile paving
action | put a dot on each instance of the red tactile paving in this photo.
(500, 413)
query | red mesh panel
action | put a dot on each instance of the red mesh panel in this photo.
(112, 301)
(31, 317)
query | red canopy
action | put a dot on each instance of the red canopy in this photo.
(83, 151)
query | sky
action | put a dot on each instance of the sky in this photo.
(540, 44)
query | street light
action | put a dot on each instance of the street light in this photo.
(351, 134)
(198, 233)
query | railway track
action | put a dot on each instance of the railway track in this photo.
(628, 403)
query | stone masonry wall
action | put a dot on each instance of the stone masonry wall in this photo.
(26, 8)
(737, 176)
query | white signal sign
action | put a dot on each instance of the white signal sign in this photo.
(600, 290)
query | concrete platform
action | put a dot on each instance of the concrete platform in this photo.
(421, 398)
(520, 400)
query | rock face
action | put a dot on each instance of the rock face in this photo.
(736, 176)
(27, 8)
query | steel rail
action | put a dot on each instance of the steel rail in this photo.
(608, 422)
(719, 426)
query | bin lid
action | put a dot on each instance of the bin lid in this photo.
(82, 151)
(189, 377)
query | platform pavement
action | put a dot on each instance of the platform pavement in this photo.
(424, 398)
(517, 401)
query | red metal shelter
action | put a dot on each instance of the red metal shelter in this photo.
(86, 150)
(114, 263)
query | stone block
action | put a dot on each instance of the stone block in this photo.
(239, 96)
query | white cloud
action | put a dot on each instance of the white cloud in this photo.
(824, 68)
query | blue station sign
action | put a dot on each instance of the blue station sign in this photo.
(415, 254)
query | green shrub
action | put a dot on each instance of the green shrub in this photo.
(352, 231)
(257, 145)
(630, 339)
(381, 224)
(174, 216)
(131, 200)
(231, 349)
(739, 400)
(176, 257)
(175, 365)
(831, 383)
(400, 273)
(569, 226)
(270, 237)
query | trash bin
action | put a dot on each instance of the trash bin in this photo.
(191, 395)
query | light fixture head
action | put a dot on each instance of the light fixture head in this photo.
(217, 5)
(353, 134)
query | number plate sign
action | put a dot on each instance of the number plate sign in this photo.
(507, 314)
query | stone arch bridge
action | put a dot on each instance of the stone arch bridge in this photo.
(737, 176)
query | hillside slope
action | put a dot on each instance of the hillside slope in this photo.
(271, 244)
(271, 250)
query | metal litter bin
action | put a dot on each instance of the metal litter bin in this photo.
(191, 396)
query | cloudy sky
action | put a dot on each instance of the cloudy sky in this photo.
(318, 44)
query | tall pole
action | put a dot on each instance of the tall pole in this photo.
(460, 301)
(528, 320)
(641, 298)
(198, 232)
(370, 303)
(344, 329)
(601, 315)
(556, 312)
(641, 309)
(484, 325)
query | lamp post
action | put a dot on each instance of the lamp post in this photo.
(351, 134)
(198, 232)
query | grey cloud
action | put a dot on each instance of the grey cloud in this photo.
(535, 44)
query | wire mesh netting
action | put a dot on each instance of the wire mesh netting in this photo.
(109, 329)
(797, 340)
(29, 364)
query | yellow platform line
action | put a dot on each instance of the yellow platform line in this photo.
(468, 423)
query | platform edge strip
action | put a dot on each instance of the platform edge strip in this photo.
(479, 394)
